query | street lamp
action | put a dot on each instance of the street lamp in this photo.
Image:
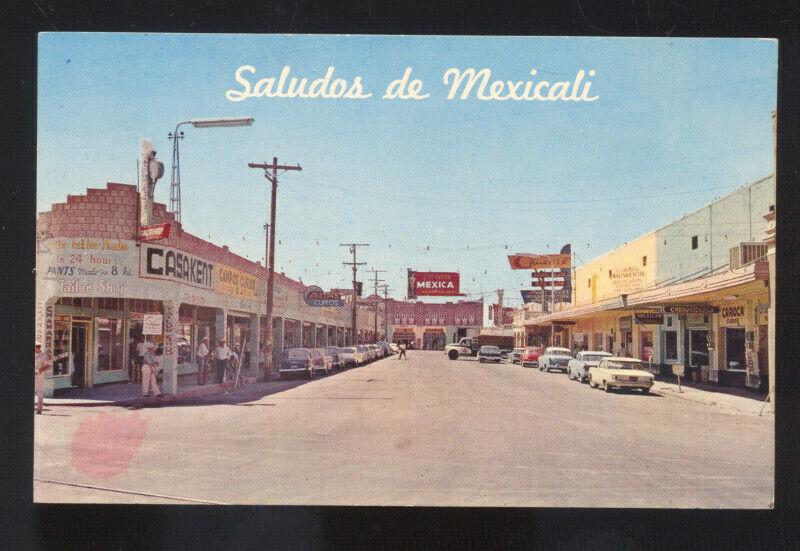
(176, 137)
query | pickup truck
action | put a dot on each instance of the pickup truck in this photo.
(469, 346)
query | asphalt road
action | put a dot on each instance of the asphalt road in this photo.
(427, 431)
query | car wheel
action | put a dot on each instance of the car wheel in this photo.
(453, 354)
(606, 386)
(646, 391)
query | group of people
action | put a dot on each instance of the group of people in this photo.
(224, 361)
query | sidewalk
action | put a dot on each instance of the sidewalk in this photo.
(129, 394)
(741, 400)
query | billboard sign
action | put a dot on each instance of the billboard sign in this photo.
(538, 295)
(315, 296)
(433, 284)
(525, 261)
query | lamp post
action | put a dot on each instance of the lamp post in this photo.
(176, 137)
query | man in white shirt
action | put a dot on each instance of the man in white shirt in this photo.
(201, 357)
(141, 349)
(40, 366)
(222, 355)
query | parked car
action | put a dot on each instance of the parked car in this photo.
(489, 354)
(296, 360)
(618, 372)
(385, 347)
(504, 352)
(515, 354)
(333, 352)
(362, 354)
(555, 357)
(348, 356)
(378, 351)
(394, 347)
(530, 356)
(578, 367)
(320, 360)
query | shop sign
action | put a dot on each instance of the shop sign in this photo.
(154, 232)
(539, 261)
(625, 323)
(231, 281)
(629, 279)
(539, 295)
(690, 309)
(315, 296)
(731, 314)
(152, 324)
(156, 262)
(433, 284)
(87, 266)
(649, 318)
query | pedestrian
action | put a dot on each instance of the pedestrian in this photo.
(201, 357)
(149, 367)
(40, 366)
(222, 355)
(141, 349)
(402, 351)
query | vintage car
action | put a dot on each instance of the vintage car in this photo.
(320, 360)
(489, 353)
(394, 347)
(578, 368)
(555, 357)
(348, 356)
(333, 352)
(362, 354)
(618, 372)
(296, 361)
(513, 357)
(530, 356)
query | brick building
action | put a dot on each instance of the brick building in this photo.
(430, 326)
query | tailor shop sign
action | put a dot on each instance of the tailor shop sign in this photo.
(164, 263)
(87, 266)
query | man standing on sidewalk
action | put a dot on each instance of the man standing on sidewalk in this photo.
(402, 351)
(201, 357)
(221, 356)
(141, 349)
(149, 367)
(40, 366)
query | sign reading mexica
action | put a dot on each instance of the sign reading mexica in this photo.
(315, 296)
(433, 284)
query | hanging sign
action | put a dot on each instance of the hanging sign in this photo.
(152, 324)
(523, 261)
(649, 318)
(315, 296)
(154, 232)
(689, 309)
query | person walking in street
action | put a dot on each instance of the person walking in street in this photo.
(402, 351)
(149, 367)
(222, 356)
(201, 357)
(40, 366)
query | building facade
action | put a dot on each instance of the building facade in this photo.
(99, 289)
(429, 326)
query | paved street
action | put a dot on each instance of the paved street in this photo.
(427, 431)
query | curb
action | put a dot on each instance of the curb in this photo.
(682, 396)
(163, 399)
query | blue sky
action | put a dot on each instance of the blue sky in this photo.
(433, 184)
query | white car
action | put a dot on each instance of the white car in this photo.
(362, 354)
(348, 356)
(578, 368)
(555, 357)
(617, 372)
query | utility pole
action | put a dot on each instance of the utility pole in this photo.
(355, 265)
(377, 298)
(271, 174)
(385, 311)
(266, 244)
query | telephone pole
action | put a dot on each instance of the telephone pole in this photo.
(377, 298)
(271, 174)
(355, 265)
(385, 311)
(266, 244)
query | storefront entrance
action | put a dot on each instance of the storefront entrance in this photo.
(734, 348)
(79, 349)
(698, 348)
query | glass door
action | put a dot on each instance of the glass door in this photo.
(80, 346)
(698, 346)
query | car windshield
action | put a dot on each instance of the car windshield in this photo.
(593, 357)
(622, 365)
(558, 351)
(297, 353)
(490, 349)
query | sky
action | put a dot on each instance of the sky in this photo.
(430, 184)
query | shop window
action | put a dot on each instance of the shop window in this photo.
(185, 344)
(670, 345)
(669, 321)
(61, 345)
(694, 242)
(110, 343)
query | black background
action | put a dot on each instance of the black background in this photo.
(193, 527)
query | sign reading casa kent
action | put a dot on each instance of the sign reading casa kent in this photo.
(433, 284)
(158, 262)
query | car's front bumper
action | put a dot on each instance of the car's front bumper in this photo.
(631, 384)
